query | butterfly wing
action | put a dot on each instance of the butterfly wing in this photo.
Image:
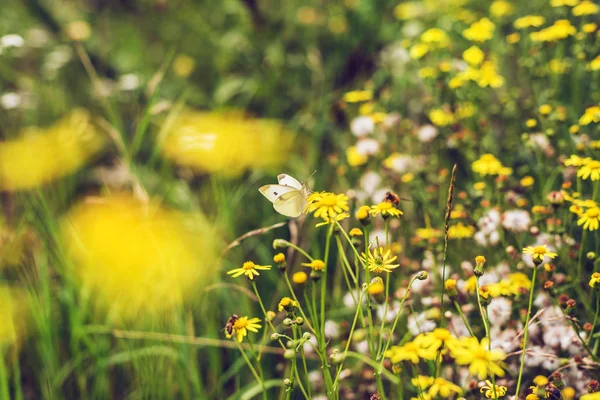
(290, 204)
(287, 180)
(273, 192)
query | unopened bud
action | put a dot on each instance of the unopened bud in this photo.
(289, 354)
(280, 244)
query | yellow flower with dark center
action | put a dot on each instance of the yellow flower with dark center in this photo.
(590, 219)
(242, 326)
(492, 391)
(226, 143)
(380, 260)
(248, 269)
(589, 169)
(594, 280)
(42, 155)
(138, 258)
(315, 265)
(460, 231)
(482, 362)
(585, 8)
(386, 209)
(286, 304)
(326, 204)
(529, 21)
(480, 31)
(539, 252)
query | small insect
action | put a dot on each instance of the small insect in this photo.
(230, 325)
(392, 197)
(288, 197)
(552, 392)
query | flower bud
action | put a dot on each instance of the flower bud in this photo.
(479, 262)
(299, 321)
(289, 354)
(279, 260)
(299, 278)
(364, 215)
(485, 297)
(422, 275)
(306, 336)
(280, 244)
(376, 289)
(316, 275)
(336, 357)
(288, 322)
(275, 336)
(450, 286)
(591, 255)
(287, 382)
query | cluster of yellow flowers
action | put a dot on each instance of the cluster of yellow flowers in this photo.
(482, 361)
(488, 164)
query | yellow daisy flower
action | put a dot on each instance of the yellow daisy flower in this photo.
(589, 169)
(380, 260)
(249, 269)
(240, 326)
(539, 252)
(492, 391)
(326, 205)
(590, 219)
(386, 209)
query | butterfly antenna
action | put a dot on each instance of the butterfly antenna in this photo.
(311, 175)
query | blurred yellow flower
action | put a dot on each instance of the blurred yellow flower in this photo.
(591, 114)
(590, 169)
(140, 259)
(489, 76)
(435, 36)
(560, 3)
(545, 109)
(585, 8)
(527, 181)
(480, 31)
(529, 21)
(560, 30)
(418, 51)
(460, 231)
(594, 65)
(183, 65)
(12, 315)
(589, 28)
(487, 164)
(78, 31)
(354, 158)
(501, 8)
(41, 155)
(441, 117)
(357, 96)
(513, 38)
(227, 143)
(473, 55)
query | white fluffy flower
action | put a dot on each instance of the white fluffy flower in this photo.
(516, 220)
(367, 147)
(419, 323)
(427, 133)
(10, 100)
(499, 311)
(362, 126)
(12, 40)
(332, 329)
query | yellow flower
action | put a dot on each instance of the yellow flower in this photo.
(427, 233)
(473, 55)
(326, 205)
(355, 232)
(450, 284)
(574, 161)
(529, 21)
(590, 219)
(589, 169)
(487, 164)
(248, 269)
(355, 159)
(591, 396)
(357, 96)
(386, 209)
(410, 352)
(299, 277)
(441, 117)
(539, 252)
(545, 109)
(241, 326)
(315, 265)
(560, 30)
(460, 231)
(376, 287)
(501, 8)
(435, 340)
(568, 393)
(480, 31)
(444, 389)
(78, 31)
(493, 391)
(183, 65)
(592, 114)
(589, 28)
(594, 280)
(435, 36)
(379, 260)
(41, 155)
(513, 38)
(585, 8)
(417, 51)
(531, 123)
(422, 382)
(481, 361)
(363, 212)
(527, 181)
(227, 143)
(427, 72)
(489, 76)
(594, 65)
(286, 304)
(138, 258)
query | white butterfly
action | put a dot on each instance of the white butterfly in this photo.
(288, 197)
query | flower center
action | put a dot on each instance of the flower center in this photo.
(539, 250)
(593, 212)
(594, 165)
(248, 265)
(386, 205)
(330, 200)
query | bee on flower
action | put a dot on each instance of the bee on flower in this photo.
(239, 327)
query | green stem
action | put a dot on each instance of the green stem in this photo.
(249, 363)
(525, 335)
(462, 316)
(595, 318)
(289, 285)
